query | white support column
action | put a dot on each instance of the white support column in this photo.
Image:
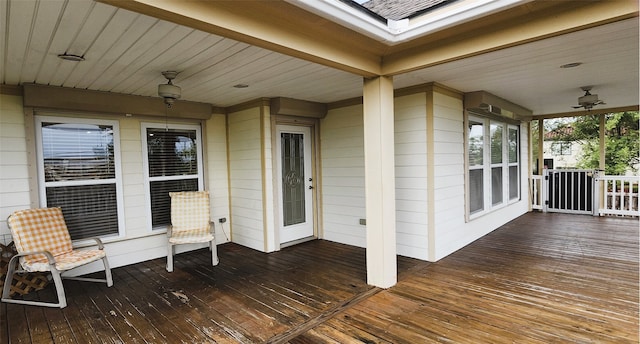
(600, 186)
(380, 183)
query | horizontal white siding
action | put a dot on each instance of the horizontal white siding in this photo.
(448, 159)
(14, 181)
(245, 172)
(411, 175)
(451, 230)
(343, 195)
(135, 196)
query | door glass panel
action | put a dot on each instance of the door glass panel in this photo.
(293, 191)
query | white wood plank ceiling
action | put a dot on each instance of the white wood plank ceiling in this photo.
(125, 52)
(530, 74)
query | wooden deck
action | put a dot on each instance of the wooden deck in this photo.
(543, 278)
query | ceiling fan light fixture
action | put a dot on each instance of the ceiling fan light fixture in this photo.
(588, 100)
(169, 91)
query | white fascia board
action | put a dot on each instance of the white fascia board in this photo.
(458, 13)
(399, 31)
(348, 16)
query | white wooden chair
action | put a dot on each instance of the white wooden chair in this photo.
(190, 223)
(43, 244)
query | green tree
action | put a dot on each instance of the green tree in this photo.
(622, 144)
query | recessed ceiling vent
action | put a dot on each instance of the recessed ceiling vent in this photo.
(485, 103)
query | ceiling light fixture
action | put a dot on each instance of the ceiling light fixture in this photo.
(169, 91)
(571, 65)
(71, 57)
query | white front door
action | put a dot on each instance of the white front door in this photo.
(295, 189)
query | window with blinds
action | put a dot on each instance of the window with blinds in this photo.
(172, 163)
(78, 172)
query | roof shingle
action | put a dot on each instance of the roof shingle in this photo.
(401, 9)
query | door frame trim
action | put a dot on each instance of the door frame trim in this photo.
(314, 125)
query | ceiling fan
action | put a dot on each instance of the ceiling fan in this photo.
(588, 100)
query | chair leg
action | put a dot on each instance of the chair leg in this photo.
(62, 299)
(107, 272)
(170, 258)
(11, 270)
(214, 252)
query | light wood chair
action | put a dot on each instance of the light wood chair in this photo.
(43, 244)
(190, 223)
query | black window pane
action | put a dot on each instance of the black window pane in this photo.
(513, 182)
(476, 193)
(496, 185)
(172, 152)
(496, 143)
(513, 145)
(476, 143)
(89, 210)
(76, 151)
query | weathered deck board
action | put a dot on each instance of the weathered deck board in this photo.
(542, 278)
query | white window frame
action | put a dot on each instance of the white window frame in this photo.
(487, 166)
(42, 184)
(145, 162)
(514, 164)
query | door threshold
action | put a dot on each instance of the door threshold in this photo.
(297, 241)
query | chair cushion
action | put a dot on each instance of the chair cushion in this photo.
(189, 210)
(191, 236)
(65, 261)
(42, 229)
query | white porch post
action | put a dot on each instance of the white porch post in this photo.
(600, 185)
(380, 186)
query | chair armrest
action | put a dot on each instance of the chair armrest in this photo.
(98, 242)
(47, 254)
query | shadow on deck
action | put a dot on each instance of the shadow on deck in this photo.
(541, 278)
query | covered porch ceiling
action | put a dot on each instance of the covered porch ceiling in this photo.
(288, 49)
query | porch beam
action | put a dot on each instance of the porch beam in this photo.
(379, 166)
(590, 112)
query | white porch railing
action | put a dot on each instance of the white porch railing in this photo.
(620, 195)
(536, 192)
(612, 195)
